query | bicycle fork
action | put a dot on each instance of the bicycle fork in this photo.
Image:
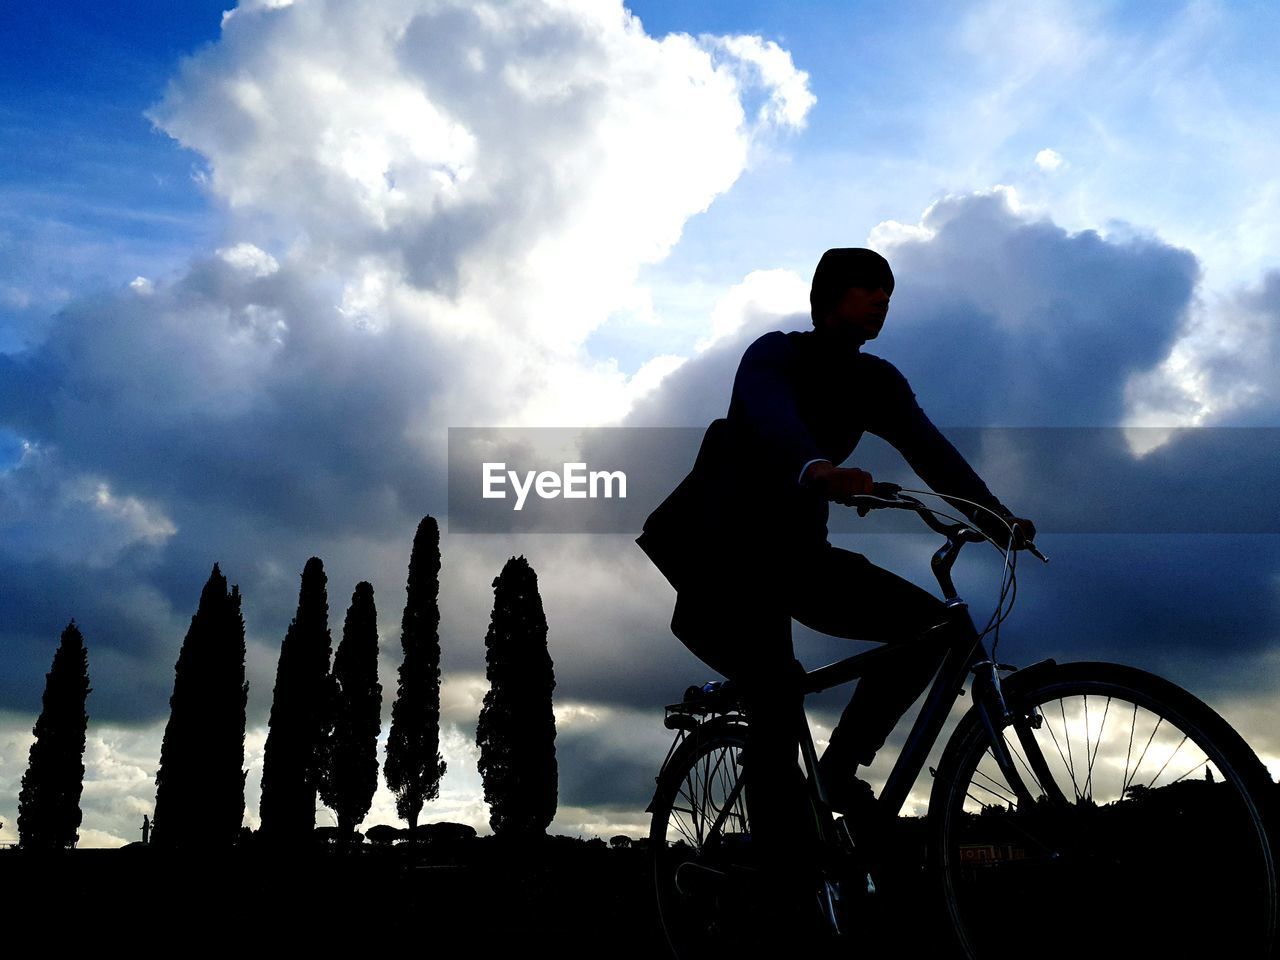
(996, 717)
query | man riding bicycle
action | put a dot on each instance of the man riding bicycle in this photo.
(744, 540)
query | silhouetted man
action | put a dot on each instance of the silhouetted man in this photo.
(744, 541)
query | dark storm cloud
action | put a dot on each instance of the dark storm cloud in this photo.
(594, 771)
(123, 621)
(998, 319)
(235, 408)
(232, 390)
(995, 320)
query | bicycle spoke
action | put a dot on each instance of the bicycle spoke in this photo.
(1143, 756)
(1202, 763)
(1014, 753)
(692, 809)
(978, 786)
(1167, 762)
(1007, 796)
(1133, 724)
(1101, 730)
(1085, 792)
(1048, 725)
(1066, 735)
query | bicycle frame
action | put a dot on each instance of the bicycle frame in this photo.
(964, 652)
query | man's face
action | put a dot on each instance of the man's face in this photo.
(858, 315)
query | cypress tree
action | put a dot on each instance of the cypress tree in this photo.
(352, 748)
(200, 783)
(414, 764)
(49, 802)
(517, 729)
(293, 760)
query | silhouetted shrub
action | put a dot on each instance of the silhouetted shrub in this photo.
(383, 834)
(445, 832)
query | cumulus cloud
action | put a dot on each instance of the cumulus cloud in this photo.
(1049, 160)
(1222, 370)
(789, 98)
(519, 162)
(1001, 318)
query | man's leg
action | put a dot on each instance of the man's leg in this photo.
(746, 635)
(844, 594)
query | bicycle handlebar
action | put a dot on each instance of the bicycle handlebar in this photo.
(890, 496)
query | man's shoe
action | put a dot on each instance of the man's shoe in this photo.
(848, 795)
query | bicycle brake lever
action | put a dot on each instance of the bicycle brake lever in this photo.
(1031, 548)
(882, 490)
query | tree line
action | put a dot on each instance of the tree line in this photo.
(325, 720)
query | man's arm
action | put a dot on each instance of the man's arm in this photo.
(931, 455)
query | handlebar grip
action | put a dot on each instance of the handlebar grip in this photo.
(880, 490)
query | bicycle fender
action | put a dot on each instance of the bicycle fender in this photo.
(688, 740)
(1028, 675)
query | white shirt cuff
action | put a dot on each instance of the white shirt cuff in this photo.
(809, 464)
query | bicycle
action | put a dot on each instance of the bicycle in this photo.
(1153, 835)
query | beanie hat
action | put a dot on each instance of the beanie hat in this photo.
(841, 268)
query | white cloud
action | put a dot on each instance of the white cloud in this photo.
(790, 99)
(521, 161)
(1049, 160)
(253, 261)
(762, 294)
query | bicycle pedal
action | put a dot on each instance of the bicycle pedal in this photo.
(693, 879)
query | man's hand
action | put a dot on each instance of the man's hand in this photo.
(840, 484)
(1024, 530)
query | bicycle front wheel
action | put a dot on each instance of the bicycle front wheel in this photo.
(1125, 819)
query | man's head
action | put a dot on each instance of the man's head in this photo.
(850, 293)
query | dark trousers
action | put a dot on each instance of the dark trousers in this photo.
(739, 623)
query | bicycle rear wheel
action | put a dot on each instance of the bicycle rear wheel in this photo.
(700, 839)
(1136, 824)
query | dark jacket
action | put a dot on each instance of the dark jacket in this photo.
(797, 397)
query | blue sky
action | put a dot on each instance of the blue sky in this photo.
(252, 267)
